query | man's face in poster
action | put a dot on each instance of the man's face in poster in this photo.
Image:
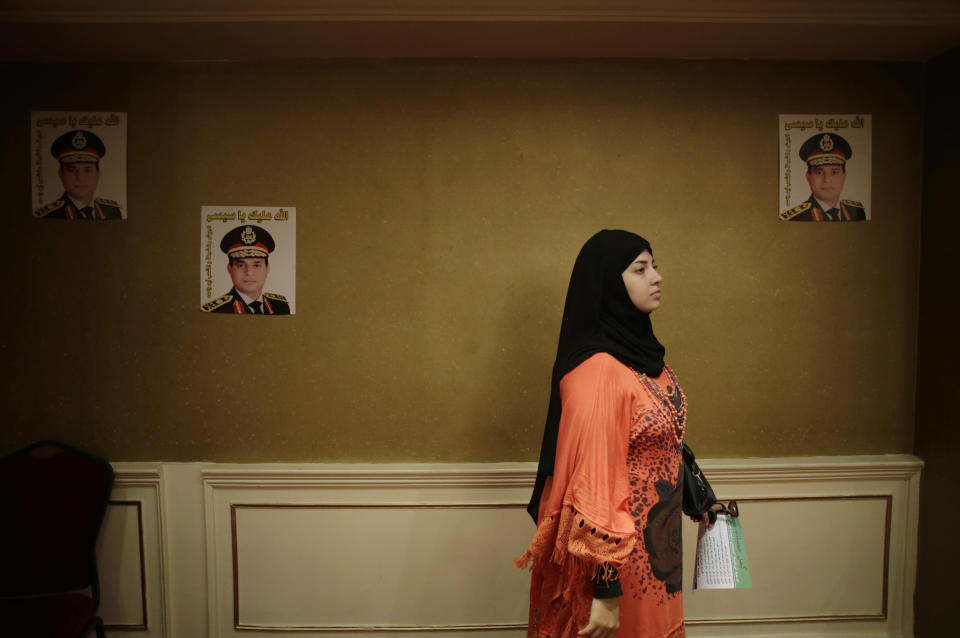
(80, 180)
(826, 182)
(249, 274)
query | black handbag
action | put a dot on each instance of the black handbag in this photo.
(698, 496)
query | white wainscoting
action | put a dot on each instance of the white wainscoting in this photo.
(193, 550)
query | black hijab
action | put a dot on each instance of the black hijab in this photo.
(598, 316)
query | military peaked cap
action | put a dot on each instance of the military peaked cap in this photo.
(78, 146)
(825, 148)
(247, 241)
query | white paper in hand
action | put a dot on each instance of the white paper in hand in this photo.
(722, 556)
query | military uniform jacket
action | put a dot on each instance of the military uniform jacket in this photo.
(232, 304)
(63, 208)
(810, 211)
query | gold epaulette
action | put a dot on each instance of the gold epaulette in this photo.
(275, 296)
(216, 303)
(108, 202)
(850, 202)
(49, 208)
(796, 210)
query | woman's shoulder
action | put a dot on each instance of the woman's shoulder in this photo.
(600, 389)
(600, 367)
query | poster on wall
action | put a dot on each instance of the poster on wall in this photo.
(78, 165)
(248, 257)
(825, 168)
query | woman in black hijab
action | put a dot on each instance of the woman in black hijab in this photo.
(608, 489)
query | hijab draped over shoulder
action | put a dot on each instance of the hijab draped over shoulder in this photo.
(598, 316)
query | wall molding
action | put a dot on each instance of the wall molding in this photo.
(812, 469)
(389, 476)
(136, 477)
(747, 470)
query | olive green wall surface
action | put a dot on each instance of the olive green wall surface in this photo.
(440, 206)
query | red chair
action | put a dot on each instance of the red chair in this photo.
(53, 499)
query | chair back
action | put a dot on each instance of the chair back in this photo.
(53, 498)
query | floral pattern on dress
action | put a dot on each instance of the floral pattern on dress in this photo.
(653, 461)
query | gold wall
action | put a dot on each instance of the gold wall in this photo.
(440, 207)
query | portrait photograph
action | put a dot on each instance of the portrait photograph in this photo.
(78, 165)
(825, 168)
(248, 257)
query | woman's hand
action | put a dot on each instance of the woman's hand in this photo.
(604, 618)
(705, 520)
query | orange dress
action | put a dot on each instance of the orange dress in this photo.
(613, 503)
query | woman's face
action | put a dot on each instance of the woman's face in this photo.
(643, 282)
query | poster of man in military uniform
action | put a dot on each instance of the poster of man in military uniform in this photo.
(825, 168)
(78, 165)
(248, 257)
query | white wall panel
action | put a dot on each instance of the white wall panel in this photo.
(389, 566)
(798, 571)
(130, 556)
(832, 548)
(120, 559)
(368, 549)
